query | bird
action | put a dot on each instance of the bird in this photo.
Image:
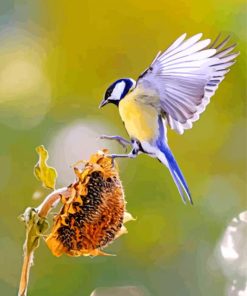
(171, 93)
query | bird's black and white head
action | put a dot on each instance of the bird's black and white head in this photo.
(117, 91)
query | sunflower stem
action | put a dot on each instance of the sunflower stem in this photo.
(51, 201)
(36, 224)
(27, 262)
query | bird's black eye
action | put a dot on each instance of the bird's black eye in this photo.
(108, 93)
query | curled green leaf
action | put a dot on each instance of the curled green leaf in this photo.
(35, 228)
(46, 174)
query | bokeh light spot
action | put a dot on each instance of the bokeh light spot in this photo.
(25, 92)
(76, 141)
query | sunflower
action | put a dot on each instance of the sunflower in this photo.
(93, 215)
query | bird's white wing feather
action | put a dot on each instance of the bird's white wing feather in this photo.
(186, 76)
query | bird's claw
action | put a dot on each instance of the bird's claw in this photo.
(113, 156)
(124, 143)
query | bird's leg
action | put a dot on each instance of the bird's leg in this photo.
(133, 153)
(123, 142)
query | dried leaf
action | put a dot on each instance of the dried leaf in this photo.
(46, 174)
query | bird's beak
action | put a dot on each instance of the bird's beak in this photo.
(103, 103)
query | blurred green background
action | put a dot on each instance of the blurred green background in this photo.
(56, 60)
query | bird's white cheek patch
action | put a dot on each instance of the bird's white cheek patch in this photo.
(118, 90)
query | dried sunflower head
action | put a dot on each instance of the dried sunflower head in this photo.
(94, 213)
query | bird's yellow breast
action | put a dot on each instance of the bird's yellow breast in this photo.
(140, 119)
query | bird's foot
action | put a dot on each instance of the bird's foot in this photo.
(129, 155)
(123, 142)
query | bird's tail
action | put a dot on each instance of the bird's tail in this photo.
(167, 158)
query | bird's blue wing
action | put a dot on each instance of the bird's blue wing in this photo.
(186, 76)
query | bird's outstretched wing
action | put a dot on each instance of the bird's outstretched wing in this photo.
(186, 76)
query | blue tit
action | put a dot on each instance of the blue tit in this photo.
(173, 91)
